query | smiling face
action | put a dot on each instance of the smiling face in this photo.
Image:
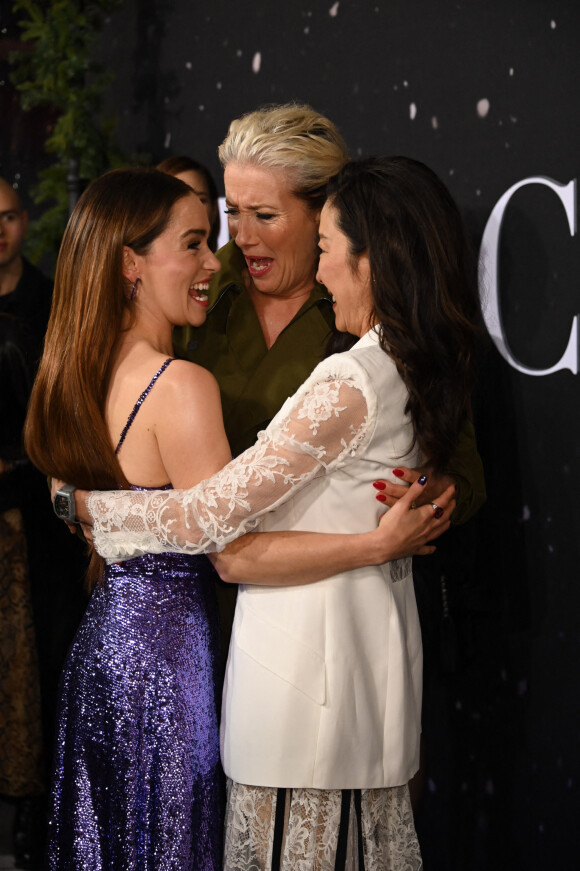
(348, 281)
(175, 273)
(274, 229)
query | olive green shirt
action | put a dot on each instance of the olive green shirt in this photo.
(255, 380)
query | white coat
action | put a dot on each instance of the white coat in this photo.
(323, 682)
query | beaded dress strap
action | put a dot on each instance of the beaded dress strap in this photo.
(140, 402)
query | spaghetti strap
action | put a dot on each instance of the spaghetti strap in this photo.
(140, 402)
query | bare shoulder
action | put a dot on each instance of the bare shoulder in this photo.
(188, 392)
(185, 381)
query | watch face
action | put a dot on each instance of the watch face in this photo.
(62, 504)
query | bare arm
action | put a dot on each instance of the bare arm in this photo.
(293, 558)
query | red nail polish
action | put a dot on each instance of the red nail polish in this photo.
(398, 473)
(379, 485)
(380, 497)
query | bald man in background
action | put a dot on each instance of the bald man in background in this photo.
(25, 292)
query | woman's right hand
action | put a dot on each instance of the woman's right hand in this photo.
(406, 530)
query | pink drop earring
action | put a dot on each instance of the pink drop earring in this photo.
(134, 290)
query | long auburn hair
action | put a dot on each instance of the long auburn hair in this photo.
(66, 435)
(424, 287)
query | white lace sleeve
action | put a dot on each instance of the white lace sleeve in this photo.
(327, 421)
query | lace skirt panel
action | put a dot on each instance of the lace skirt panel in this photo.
(269, 829)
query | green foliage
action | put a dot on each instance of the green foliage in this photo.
(59, 71)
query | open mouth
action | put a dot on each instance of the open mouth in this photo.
(259, 266)
(198, 292)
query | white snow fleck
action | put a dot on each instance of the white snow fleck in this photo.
(405, 84)
(526, 513)
(434, 123)
(218, 85)
(188, 65)
(306, 30)
(483, 107)
(478, 192)
(257, 62)
(239, 52)
(333, 11)
(201, 107)
(412, 111)
(553, 24)
(167, 140)
(511, 71)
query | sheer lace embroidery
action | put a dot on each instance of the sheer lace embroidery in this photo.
(311, 830)
(317, 430)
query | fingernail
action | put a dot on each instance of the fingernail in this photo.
(438, 513)
(379, 485)
(422, 480)
(398, 473)
(380, 497)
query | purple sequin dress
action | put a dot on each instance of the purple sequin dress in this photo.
(137, 781)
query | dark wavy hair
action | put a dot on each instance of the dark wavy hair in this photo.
(424, 287)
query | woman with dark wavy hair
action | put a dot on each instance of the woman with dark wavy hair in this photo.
(321, 710)
(424, 287)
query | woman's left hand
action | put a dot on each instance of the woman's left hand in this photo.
(83, 517)
(407, 529)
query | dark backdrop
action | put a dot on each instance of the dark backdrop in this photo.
(488, 95)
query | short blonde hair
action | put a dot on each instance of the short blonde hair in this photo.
(292, 137)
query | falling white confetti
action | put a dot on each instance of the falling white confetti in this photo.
(218, 85)
(526, 513)
(188, 65)
(482, 107)
(167, 141)
(257, 62)
(333, 11)
(552, 24)
(405, 84)
(201, 108)
(511, 71)
(412, 111)
(306, 30)
(434, 123)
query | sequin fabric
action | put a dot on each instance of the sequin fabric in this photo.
(137, 780)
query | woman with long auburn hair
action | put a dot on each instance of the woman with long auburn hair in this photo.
(322, 699)
(137, 777)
